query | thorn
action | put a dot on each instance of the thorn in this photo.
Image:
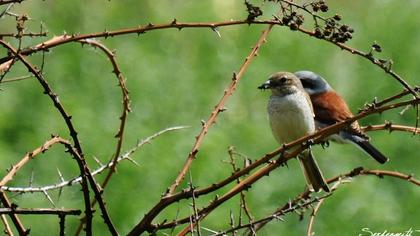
(234, 76)
(48, 197)
(31, 180)
(98, 161)
(223, 109)
(133, 161)
(61, 176)
(60, 191)
(216, 31)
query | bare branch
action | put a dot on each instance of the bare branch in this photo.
(15, 168)
(391, 127)
(218, 108)
(40, 211)
(7, 228)
(76, 180)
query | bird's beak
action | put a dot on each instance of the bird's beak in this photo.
(265, 85)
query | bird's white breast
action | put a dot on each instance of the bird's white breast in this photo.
(290, 116)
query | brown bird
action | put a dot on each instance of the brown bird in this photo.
(330, 108)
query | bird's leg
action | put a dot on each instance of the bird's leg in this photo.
(324, 143)
(281, 156)
(308, 143)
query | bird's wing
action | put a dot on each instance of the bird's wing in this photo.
(331, 108)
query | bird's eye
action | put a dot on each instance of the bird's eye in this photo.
(283, 79)
(308, 83)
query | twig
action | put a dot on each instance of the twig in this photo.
(86, 175)
(126, 109)
(359, 171)
(399, 95)
(99, 170)
(145, 222)
(395, 174)
(174, 24)
(15, 219)
(275, 216)
(40, 211)
(78, 152)
(7, 229)
(316, 208)
(30, 34)
(391, 127)
(4, 2)
(49, 92)
(317, 137)
(16, 79)
(15, 168)
(62, 223)
(218, 108)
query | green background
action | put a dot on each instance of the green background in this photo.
(176, 78)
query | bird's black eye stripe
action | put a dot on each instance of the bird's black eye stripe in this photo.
(308, 83)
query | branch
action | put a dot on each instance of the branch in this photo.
(78, 179)
(7, 228)
(15, 79)
(316, 137)
(359, 171)
(15, 219)
(48, 91)
(15, 168)
(67, 118)
(126, 109)
(316, 208)
(40, 211)
(86, 175)
(218, 108)
(143, 224)
(391, 127)
(4, 2)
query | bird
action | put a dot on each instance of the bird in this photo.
(291, 116)
(330, 108)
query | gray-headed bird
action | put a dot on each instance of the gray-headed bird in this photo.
(330, 108)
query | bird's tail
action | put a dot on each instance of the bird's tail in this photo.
(312, 173)
(371, 150)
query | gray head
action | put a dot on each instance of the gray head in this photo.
(282, 83)
(313, 83)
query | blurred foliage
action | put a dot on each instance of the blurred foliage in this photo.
(176, 78)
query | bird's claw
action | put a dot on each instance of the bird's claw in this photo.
(325, 144)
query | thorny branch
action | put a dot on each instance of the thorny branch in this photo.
(15, 219)
(123, 118)
(316, 137)
(40, 211)
(4, 2)
(218, 108)
(326, 28)
(143, 224)
(359, 171)
(76, 153)
(87, 176)
(78, 179)
(15, 168)
(59, 40)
